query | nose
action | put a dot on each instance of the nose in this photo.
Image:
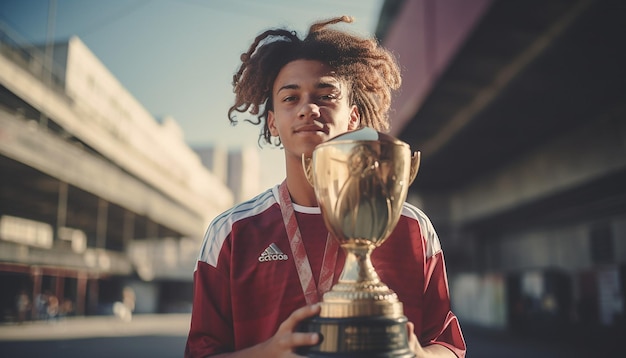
(309, 110)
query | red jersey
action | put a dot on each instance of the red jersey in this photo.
(246, 283)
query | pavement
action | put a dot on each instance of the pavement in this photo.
(97, 326)
(481, 342)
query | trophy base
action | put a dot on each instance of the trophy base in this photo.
(351, 337)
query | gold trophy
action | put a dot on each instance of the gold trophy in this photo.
(361, 180)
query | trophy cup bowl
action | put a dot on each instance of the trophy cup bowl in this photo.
(360, 185)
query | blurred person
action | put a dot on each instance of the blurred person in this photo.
(124, 308)
(67, 308)
(22, 306)
(53, 308)
(128, 298)
(41, 303)
(248, 294)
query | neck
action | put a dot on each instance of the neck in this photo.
(300, 190)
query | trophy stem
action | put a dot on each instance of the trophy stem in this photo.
(359, 291)
(358, 269)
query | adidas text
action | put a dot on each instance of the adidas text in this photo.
(274, 257)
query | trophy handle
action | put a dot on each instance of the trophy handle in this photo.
(306, 165)
(415, 165)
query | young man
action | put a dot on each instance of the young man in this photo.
(249, 296)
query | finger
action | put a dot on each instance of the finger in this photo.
(291, 341)
(298, 315)
(414, 343)
(410, 328)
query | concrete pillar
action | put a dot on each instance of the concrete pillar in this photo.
(36, 273)
(59, 286)
(92, 304)
(128, 232)
(81, 293)
(61, 207)
(101, 224)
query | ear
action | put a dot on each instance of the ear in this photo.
(355, 118)
(271, 123)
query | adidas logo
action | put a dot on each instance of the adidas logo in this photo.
(272, 253)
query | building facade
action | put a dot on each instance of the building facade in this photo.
(95, 194)
(238, 168)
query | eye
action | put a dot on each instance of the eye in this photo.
(289, 98)
(328, 97)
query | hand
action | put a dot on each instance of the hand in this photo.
(414, 343)
(285, 340)
(433, 350)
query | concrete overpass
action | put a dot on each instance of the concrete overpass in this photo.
(519, 110)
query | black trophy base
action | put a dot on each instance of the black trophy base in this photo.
(376, 337)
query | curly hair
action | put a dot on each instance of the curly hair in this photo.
(370, 70)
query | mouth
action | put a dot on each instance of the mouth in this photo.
(311, 128)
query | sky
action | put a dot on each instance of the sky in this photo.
(177, 57)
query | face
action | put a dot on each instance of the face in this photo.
(310, 106)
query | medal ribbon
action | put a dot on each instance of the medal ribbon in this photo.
(312, 292)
